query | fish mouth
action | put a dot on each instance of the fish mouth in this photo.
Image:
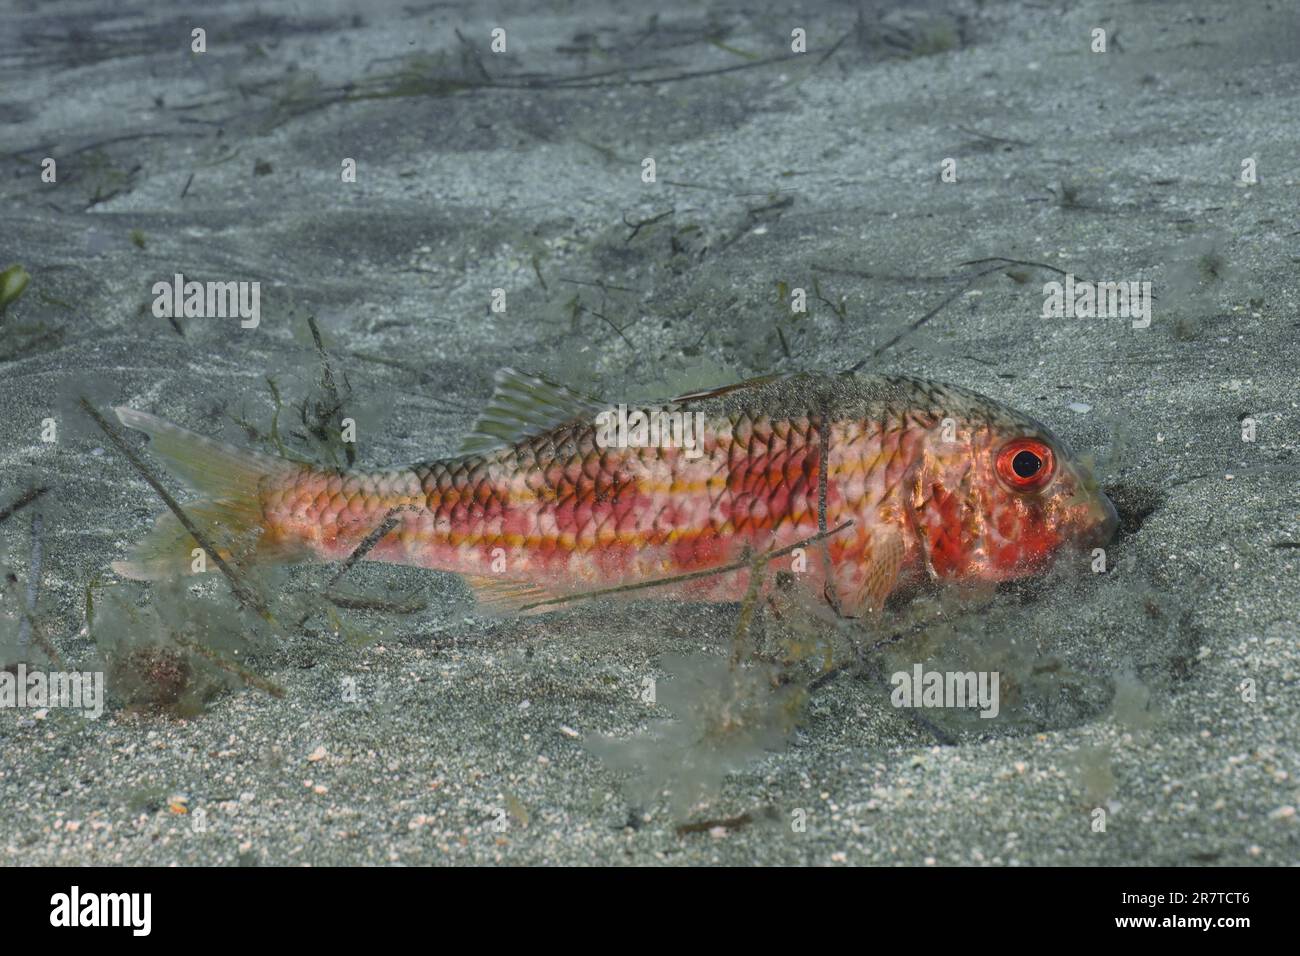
(1099, 523)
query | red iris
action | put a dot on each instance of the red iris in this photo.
(1026, 464)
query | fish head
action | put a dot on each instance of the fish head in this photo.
(1003, 496)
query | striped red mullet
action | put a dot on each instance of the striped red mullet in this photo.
(858, 485)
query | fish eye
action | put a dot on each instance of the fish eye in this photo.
(1026, 464)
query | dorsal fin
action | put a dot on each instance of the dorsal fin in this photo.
(522, 406)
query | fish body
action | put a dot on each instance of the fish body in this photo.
(856, 485)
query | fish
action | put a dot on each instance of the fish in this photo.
(854, 486)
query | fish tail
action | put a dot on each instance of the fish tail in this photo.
(229, 512)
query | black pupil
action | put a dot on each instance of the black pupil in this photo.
(1026, 464)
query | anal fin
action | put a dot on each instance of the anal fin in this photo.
(509, 597)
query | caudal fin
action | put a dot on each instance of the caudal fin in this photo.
(229, 513)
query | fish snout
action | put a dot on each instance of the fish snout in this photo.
(1099, 522)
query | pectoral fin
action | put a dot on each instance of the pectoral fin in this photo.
(871, 587)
